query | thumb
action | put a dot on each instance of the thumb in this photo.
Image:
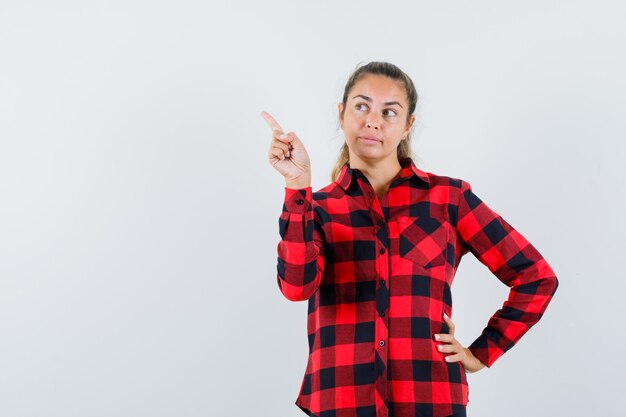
(449, 323)
(290, 138)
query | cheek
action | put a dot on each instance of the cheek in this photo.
(352, 119)
(352, 124)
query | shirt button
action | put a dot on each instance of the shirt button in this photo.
(380, 223)
(382, 343)
(382, 314)
(381, 251)
(299, 202)
(382, 282)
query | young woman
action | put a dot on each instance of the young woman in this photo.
(375, 253)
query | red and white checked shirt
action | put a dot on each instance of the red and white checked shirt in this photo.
(377, 277)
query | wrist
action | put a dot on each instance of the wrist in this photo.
(299, 183)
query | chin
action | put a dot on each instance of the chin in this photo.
(368, 156)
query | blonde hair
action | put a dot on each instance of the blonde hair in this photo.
(389, 70)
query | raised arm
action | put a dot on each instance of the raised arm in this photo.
(301, 248)
(300, 265)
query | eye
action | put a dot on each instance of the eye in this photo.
(392, 111)
(359, 105)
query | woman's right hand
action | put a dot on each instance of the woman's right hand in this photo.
(288, 155)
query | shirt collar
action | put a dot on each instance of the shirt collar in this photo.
(409, 170)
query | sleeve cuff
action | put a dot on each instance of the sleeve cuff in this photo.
(297, 200)
(485, 350)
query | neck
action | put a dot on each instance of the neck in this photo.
(378, 173)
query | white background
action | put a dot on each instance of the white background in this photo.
(139, 212)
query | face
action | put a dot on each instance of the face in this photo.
(375, 119)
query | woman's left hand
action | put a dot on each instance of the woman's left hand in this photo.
(470, 362)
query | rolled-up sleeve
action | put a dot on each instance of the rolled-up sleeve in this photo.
(515, 262)
(300, 266)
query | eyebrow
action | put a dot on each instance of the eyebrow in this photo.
(366, 98)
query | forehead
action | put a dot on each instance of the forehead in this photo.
(379, 88)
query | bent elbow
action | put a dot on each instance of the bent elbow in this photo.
(295, 292)
(555, 285)
(300, 282)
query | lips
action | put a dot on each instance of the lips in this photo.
(369, 139)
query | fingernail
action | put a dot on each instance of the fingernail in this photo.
(287, 154)
(436, 337)
(439, 347)
(447, 358)
(445, 315)
(283, 136)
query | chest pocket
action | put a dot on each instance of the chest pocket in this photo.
(423, 240)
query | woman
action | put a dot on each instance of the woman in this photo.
(375, 253)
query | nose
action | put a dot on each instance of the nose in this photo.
(373, 120)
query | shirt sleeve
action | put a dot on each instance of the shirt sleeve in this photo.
(515, 262)
(300, 265)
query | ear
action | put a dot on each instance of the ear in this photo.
(340, 108)
(411, 120)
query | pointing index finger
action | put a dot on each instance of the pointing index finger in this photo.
(271, 121)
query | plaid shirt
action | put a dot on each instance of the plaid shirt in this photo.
(377, 277)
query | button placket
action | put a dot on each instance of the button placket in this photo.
(381, 336)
